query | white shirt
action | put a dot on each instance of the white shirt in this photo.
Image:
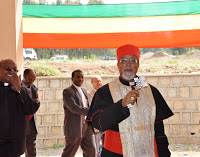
(84, 100)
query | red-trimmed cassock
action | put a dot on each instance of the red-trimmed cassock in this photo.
(105, 115)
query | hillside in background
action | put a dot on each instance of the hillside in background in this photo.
(150, 63)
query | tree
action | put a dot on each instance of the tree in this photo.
(42, 2)
(144, 50)
(29, 2)
(70, 2)
(95, 2)
(58, 2)
(177, 51)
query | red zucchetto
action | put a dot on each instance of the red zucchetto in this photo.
(128, 50)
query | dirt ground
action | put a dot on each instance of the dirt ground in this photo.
(177, 150)
(150, 63)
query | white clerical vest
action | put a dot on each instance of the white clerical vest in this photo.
(136, 131)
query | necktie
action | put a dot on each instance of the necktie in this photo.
(83, 98)
(29, 92)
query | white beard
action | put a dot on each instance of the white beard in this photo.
(130, 77)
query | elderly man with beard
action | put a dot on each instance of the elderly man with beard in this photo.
(131, 116)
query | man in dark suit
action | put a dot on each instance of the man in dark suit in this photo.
(76, 130)
(15, 103)
(31, 126)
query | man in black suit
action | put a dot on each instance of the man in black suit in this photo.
(76, 130)
(15, 103)
(31, 126)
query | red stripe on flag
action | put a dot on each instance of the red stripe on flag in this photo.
(162, 39)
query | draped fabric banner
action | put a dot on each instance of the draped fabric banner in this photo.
(146, 25)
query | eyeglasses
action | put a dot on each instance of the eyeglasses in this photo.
(131, 61)
(97, 81)
(8, 69)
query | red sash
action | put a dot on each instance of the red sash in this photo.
(113, 142)
(155, 148)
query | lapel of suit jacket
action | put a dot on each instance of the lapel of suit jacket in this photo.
(34, 91)
(77, 94)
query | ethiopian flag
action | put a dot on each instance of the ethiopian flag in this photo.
(146, 25)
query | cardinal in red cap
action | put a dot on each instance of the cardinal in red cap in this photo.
(119, 108)
(128, 50)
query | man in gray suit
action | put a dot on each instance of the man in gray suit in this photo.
(31, 127)
(76, 130)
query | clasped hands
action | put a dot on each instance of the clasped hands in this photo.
(130, 98)
(16, 81)
(36, 99)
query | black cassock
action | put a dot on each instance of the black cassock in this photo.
(104, 115)
(13, 108)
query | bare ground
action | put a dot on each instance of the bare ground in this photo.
(150, 63)
(177, 150)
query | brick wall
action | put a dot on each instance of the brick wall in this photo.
(181, 91)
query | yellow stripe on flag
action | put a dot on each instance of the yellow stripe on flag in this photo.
(111, 25)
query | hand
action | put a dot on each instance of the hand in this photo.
(130, 98)
(36, 99)
(16, 81)
(96, 130)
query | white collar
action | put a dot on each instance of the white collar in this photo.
(77, 87)
(131, 83)
(6, 84)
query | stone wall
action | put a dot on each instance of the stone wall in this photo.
(181, 91)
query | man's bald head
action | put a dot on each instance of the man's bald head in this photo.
(3, 61)
(96, 81)
(29, 77)
(7, 68)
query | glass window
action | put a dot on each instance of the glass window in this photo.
(28, 52)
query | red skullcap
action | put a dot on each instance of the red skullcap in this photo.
(128, 50)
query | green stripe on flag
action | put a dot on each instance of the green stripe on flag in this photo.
(113, 10)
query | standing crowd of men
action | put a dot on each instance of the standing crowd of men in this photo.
(129, 114)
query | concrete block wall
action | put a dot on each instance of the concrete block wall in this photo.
(182, 94)
(181, 91)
